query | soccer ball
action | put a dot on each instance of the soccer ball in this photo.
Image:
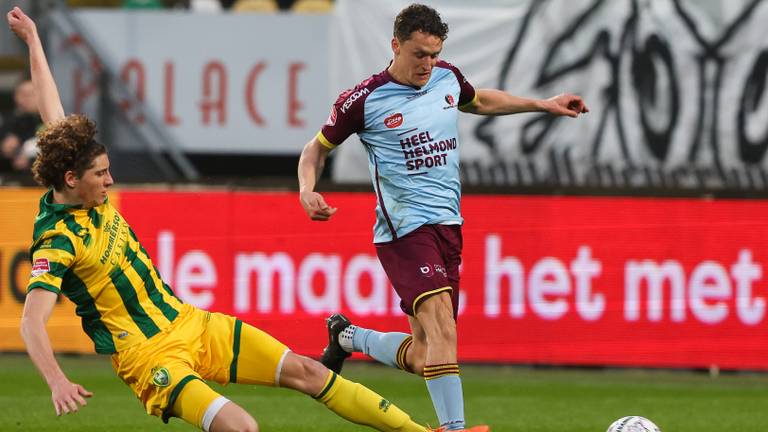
(633, 424)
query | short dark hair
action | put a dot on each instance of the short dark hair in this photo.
(419, 17)
(66, 145)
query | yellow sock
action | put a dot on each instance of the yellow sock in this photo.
(361, 405)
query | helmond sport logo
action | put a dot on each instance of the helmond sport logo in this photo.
(393, 121)
(450, 101)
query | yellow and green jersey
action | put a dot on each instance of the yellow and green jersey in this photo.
(93, 257)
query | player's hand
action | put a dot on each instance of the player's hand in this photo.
(67, 395)
(316, 207)
(21, 24)
(566, 104)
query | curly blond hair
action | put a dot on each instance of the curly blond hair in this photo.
(66, 145)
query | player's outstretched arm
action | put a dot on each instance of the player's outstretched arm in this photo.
(48, 101)
(311, 165)
(65, 394)
(497, 102)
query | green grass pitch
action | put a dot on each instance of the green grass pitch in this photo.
(510, 399)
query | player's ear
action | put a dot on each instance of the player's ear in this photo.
(70, 179)
(395, 46)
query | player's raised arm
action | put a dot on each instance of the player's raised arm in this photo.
(311, 165)
(497, 102)
(65, 394)
(48, 101)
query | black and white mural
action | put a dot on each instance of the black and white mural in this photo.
(676, 88)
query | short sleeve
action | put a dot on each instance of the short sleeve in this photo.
(346, 117)
(51, 258)
(466, 90)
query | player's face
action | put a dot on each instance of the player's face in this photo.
(417, 56)
(91, 187)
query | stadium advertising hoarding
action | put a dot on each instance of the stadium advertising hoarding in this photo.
(555, 280)
(548, 280)
(240, 86)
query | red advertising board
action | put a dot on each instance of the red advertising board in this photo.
(555, 280)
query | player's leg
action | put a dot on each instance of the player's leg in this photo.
(414, 265)
(432, 353)
(344, 338)
(441, 370)
(233, 417)
(197, 404)
(415, 356)
(437, 317)
(351, 401)
(163, 373)
(255, 357)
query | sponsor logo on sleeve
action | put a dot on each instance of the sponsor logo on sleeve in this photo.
(393, 121)
(40, 267)
(331, 118)
(352, 98)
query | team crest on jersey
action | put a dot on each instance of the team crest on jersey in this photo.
(450, 101)
(40, 266)
(161, 377)
(393, 121)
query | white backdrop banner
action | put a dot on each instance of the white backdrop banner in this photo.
(228, 83)
(676, 88)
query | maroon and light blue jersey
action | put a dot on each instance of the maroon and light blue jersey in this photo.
(411, 136)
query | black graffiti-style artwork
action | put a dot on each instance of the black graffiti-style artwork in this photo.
(655, 69)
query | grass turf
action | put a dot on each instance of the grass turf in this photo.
(508, 398)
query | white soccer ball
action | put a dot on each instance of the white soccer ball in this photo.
(633, 424)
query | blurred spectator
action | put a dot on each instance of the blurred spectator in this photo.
(312, 6)
(17, 136)
(142, 4)
(94, 3)
(284, 4)
(274, 5)
(205, 6)
(254, 6)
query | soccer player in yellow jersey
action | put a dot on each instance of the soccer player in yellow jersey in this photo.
(160, 347)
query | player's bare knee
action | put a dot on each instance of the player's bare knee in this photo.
(417, 366)
(249, 425)
(233, 418)
(303, 374)
(417, 356)
(314, 372)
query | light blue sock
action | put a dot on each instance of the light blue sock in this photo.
(384, 347)
(448, 399)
